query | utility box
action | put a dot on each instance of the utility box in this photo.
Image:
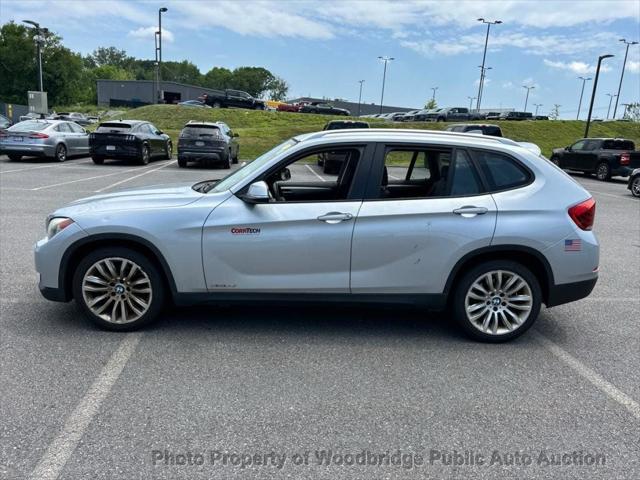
(38, 103)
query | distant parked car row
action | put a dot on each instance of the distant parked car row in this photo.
(323, 108)
(453, 114)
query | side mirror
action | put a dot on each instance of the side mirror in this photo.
(236, 135)
(258, 192)
(285, 174)
(159, 132)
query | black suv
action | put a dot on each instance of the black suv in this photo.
(209, 143)
(323, 108)
(483, 128)
(331, 162)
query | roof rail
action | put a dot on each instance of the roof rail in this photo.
(415, 131)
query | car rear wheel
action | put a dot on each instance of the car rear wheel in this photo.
(497, 301)
(168, 150)
(603, 172)
(216, 105)
(118, 288)
(635, 187)
(15, 158)
(145, 155)
(97, 160)
(555, 160)
(61, 153)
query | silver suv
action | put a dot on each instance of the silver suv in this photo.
(479, 224)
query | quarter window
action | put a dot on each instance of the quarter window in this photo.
(501, 171)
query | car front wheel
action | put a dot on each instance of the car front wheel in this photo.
(168, 150)
(497, 301)
(118, 288)
(635, 187)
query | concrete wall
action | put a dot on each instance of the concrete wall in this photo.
(144, 91)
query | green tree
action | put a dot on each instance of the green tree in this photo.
(109, 56)
(218, 78)
(278, 89)
(182, 72)
(89, 92)
(431, 104)
(254, 80)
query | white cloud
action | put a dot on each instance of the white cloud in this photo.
(633, 66)
(508, 85)
(147, 33)
(579, 68)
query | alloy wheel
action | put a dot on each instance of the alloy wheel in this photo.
(117, 290)
(635, 187)
(498, 302)
(603, 171)
(61, 153)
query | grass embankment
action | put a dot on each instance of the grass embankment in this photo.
(259, 131)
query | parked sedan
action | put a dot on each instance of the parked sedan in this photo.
(208, 143)
(57, 139)
(129, 140)
(323, 108)
(79, 118)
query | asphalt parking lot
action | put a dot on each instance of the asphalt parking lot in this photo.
(269, 385)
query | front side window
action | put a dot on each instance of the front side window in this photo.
(501, 171)
(579, 145)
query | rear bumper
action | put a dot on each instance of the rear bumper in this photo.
(621, 171)
(208, 156)
(27, 150)
(126, 151)
(570, 292)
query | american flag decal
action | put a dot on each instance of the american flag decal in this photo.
(572, 245)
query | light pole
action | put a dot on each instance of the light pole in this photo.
(593, 94)
(584, 80)
(483, 77)
(433, 93)
(624, 63)
(611, 96)
(386, 60)
(360, 95)
(39, 38)
(526, 99)
(471, 99)
(159, 53)
(537, 105)
(484, 57)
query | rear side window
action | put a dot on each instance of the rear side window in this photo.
(465, 180)
(618, 145)
(501, 171)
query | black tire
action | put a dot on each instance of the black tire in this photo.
(14, 158)
(635, 187)
(556, 160)
(216, 105)
(464, 284)
(145, 155)
(61, 153)
(168, 150)
(603, 172)
(97, 160)
(235, 159)
(182, 163)
(226, 164)
(155, 281)
(441, 119)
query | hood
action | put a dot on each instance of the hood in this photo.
(155, 196)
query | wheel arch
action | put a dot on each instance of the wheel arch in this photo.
(82, 247)
(528, 257)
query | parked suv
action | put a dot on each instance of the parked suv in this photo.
(129, 140)
(231, 98)
(450, 115)
(477, 223)
(332, 162)
(484, 129)
(209, 143)
(606, 157)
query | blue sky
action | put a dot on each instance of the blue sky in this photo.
(322, 48)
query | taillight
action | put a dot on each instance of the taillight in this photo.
(38, 135)
(625, 158)
(583, 214)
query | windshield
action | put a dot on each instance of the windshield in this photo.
(28, 126)
(232, 179)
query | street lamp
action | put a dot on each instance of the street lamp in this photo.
(483, 77)
(584, 80)
(526, 100)
(360, 95)
(159, 52)
(624, 63)
(593, 94)
(39, 38)
(386, 60)
(471, 99)
(433, 94)
(537, 105)
(484, 57)
(611, 97)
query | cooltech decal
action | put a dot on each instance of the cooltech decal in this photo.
(245, 231)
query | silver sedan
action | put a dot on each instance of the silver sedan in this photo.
(57, 139)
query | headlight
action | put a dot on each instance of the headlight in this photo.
(56, 225)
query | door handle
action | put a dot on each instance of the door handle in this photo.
(470, 211)
(335, 217)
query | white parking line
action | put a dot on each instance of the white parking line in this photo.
(314, 172)
(61, 448)
(2, 172)
(595, 379)
(612, 195)
(135, 176)
(91, 178)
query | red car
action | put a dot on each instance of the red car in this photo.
(291, 107)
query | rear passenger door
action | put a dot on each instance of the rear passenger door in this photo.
(408, 239)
